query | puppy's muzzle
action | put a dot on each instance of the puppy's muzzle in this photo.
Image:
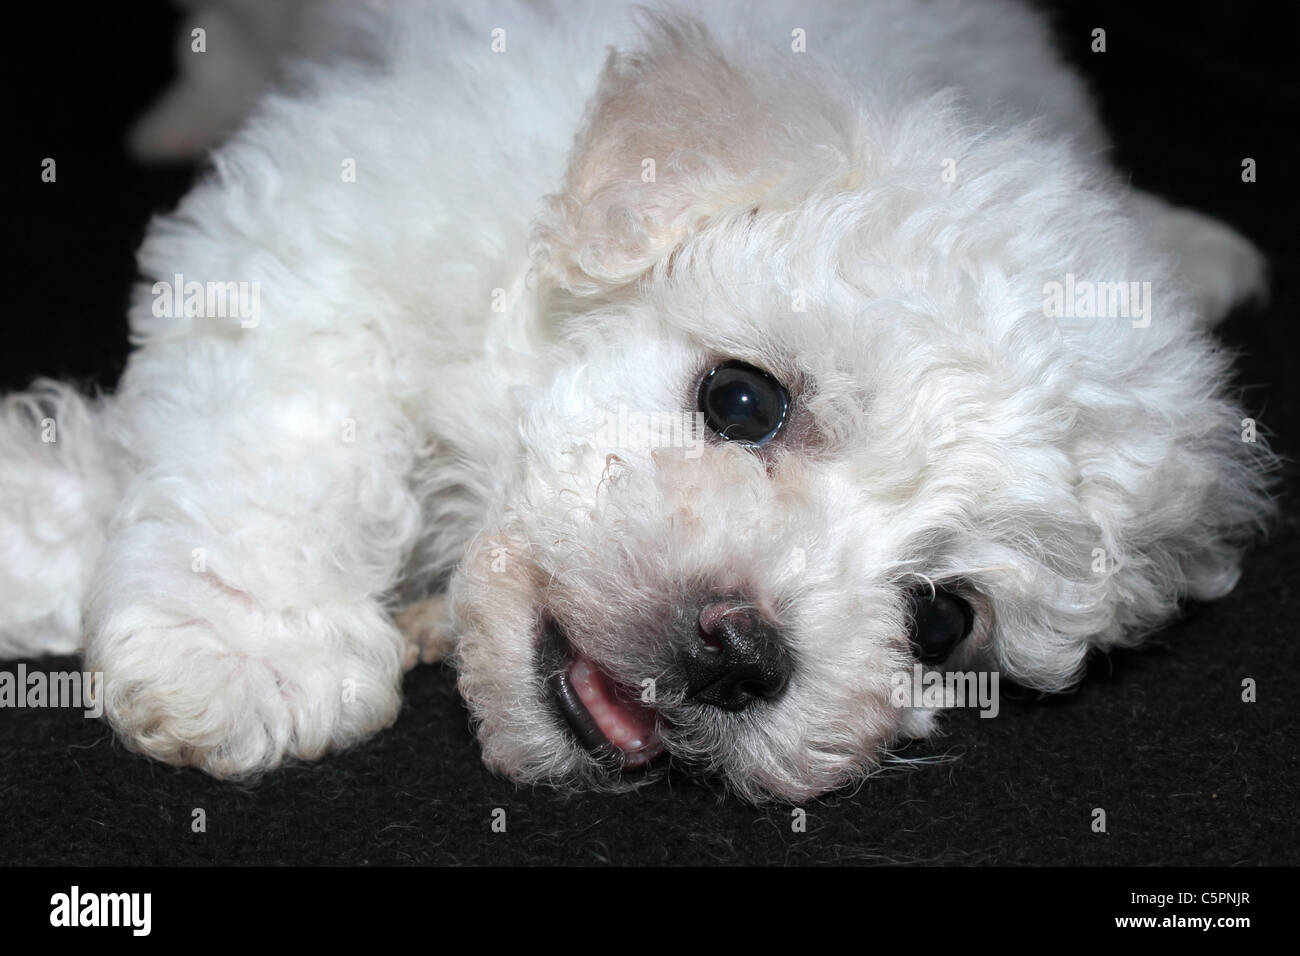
(735, 658)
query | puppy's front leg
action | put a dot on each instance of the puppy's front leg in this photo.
(237, 612)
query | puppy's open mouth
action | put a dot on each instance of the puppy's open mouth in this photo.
(608, 717)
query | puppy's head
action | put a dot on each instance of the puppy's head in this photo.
(809, 424)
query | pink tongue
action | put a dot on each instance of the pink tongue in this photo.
(626, 723)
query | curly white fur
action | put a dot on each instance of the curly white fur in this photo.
(417, 406)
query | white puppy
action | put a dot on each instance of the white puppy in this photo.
(715, 370)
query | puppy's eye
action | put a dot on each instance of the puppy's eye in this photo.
(743, 403)
(940, 621)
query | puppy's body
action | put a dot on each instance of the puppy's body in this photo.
(454, 297)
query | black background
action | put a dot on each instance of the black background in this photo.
(1160, 739)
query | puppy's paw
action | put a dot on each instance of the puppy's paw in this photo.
(235, 691)
(427, 630)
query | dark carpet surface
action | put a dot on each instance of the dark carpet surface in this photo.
(1160, 738)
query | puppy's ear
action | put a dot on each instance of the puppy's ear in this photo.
(675, 135)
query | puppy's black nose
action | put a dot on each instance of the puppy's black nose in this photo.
(736, 657)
